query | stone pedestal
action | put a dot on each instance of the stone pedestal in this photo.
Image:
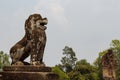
(28, 73)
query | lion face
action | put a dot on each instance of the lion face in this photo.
(34, 22)
(41, 23)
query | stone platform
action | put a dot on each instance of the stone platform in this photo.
(28, 68)
(28, 72)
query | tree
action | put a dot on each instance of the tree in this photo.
(62, 75)
(115, 47)
(68, 61)
(83, 71)
(4, 59)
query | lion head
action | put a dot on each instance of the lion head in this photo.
(34, 22)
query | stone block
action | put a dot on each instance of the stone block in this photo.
(28, 73)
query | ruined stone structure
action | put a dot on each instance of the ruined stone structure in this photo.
(108, 66)
(33, 45)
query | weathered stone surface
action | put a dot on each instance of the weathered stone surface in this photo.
(108, 66)
(28, 68)
(17, 75)
(28, 72)
(32, 44)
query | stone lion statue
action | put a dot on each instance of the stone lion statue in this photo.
(33, 42)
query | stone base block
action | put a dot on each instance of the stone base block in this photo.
(29, 76)
(28, 68)
(28, 73)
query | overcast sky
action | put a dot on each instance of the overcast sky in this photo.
(88, 26)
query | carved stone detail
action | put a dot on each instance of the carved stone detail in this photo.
(33, 43)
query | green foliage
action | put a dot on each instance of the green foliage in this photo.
(75, 75)
(62, 75)
(68, 61)
(4, 59)
(83, 71)
(115, 46)
(82, 66)
(77, 70)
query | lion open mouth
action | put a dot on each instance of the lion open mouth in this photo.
(41, 23)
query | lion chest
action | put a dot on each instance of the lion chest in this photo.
(38, 40)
